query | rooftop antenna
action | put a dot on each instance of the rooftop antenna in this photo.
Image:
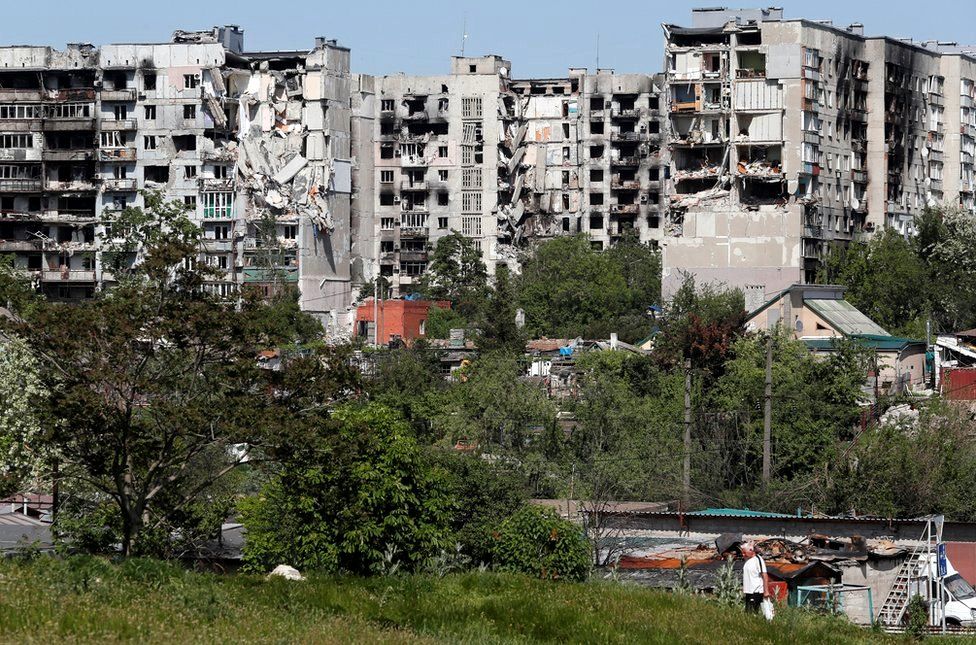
(598, 50)
(464, 34)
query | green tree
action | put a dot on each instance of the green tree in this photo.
(815, 406)
(154, 384)
(700, 324)
(883, 278)
(565, 287)
(493, 405)
(24, 451)
(359, 493)
(499, 330)
(535, 541)
(457, 273)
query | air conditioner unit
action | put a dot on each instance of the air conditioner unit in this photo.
(396, 199)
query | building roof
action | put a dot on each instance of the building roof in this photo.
(737, 512)
(871, 341)
(845, 317)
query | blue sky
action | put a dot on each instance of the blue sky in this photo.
(541, 38)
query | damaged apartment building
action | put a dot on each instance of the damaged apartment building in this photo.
(255, 144)
(789, 135)
(506, 161)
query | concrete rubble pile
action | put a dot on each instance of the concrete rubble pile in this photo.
(270, 165)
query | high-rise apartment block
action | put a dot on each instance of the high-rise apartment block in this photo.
(765, 140)
(788, 135)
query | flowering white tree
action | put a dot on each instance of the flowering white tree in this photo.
(23, 453)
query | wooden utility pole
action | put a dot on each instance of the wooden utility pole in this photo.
(686, 470)
(768, 413)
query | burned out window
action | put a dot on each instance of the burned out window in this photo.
(442, 199)
(185, 142)
(149, 81)
(386, 199)
(189, 112)
(386, 151)
(156, 174)
(596, 127)
(191, 81)
(149, 112)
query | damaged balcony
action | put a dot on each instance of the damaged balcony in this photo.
(760, 161)
(751, 64)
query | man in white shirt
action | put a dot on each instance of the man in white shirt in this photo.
(755, 578)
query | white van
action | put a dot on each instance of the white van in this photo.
(960, 606)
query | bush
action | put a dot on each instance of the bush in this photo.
(483, 492)
(361, 498)
(535, 541)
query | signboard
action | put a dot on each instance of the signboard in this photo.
(941, 558)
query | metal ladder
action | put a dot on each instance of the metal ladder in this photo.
(916, 566)
(893, 609)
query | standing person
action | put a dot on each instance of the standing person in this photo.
(755, 578)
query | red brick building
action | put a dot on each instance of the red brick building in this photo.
(405, 319)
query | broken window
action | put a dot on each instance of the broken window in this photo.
(442, 222)
(185, 142)
(120, 172)
(442, 199)
(23, 111)
(16, 140)
(191, 81)
(596, 127)
(149, 81)
(386, 176)
(221, 171)
(149, 111)
(121, 112)
(471, 107)
(596, 152)
(596, 199)
(189, 172)
(387, 105)
(442, 151)
(386, 199)
(596, 222)
(149, 142)
(190, 201)
(189, 112)
(290, 231)
(156, 174)
(596, 103)
(413, 220)
(387, 223)
(442, 175)
(386, 151)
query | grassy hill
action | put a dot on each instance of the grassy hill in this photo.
(88, 599)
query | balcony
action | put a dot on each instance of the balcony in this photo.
(631, 209)
(127, 94)
(73, 95)
(119, 185)
(117, 154)
(625, 113)
(414, 161)
(218, 246)
(859, 176)
(966, 101)
(75, 185)
(20, 185)
(862, 205)
(629, 136)
(20, 246)
(67, 124)
(68, 155)
(684, 106)
(68, 275)
(413, 256)
(629, 184)
(409, 185)
(281, 274)
(626, 161)
(209, 184)
(747, 74)
(413, 232)
(118, 124)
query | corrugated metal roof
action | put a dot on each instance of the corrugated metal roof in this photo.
(845, 317)
(891, 343)
(737, 512)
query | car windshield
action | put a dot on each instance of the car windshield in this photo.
(959, 588)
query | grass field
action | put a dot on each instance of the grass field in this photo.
(91, 600)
